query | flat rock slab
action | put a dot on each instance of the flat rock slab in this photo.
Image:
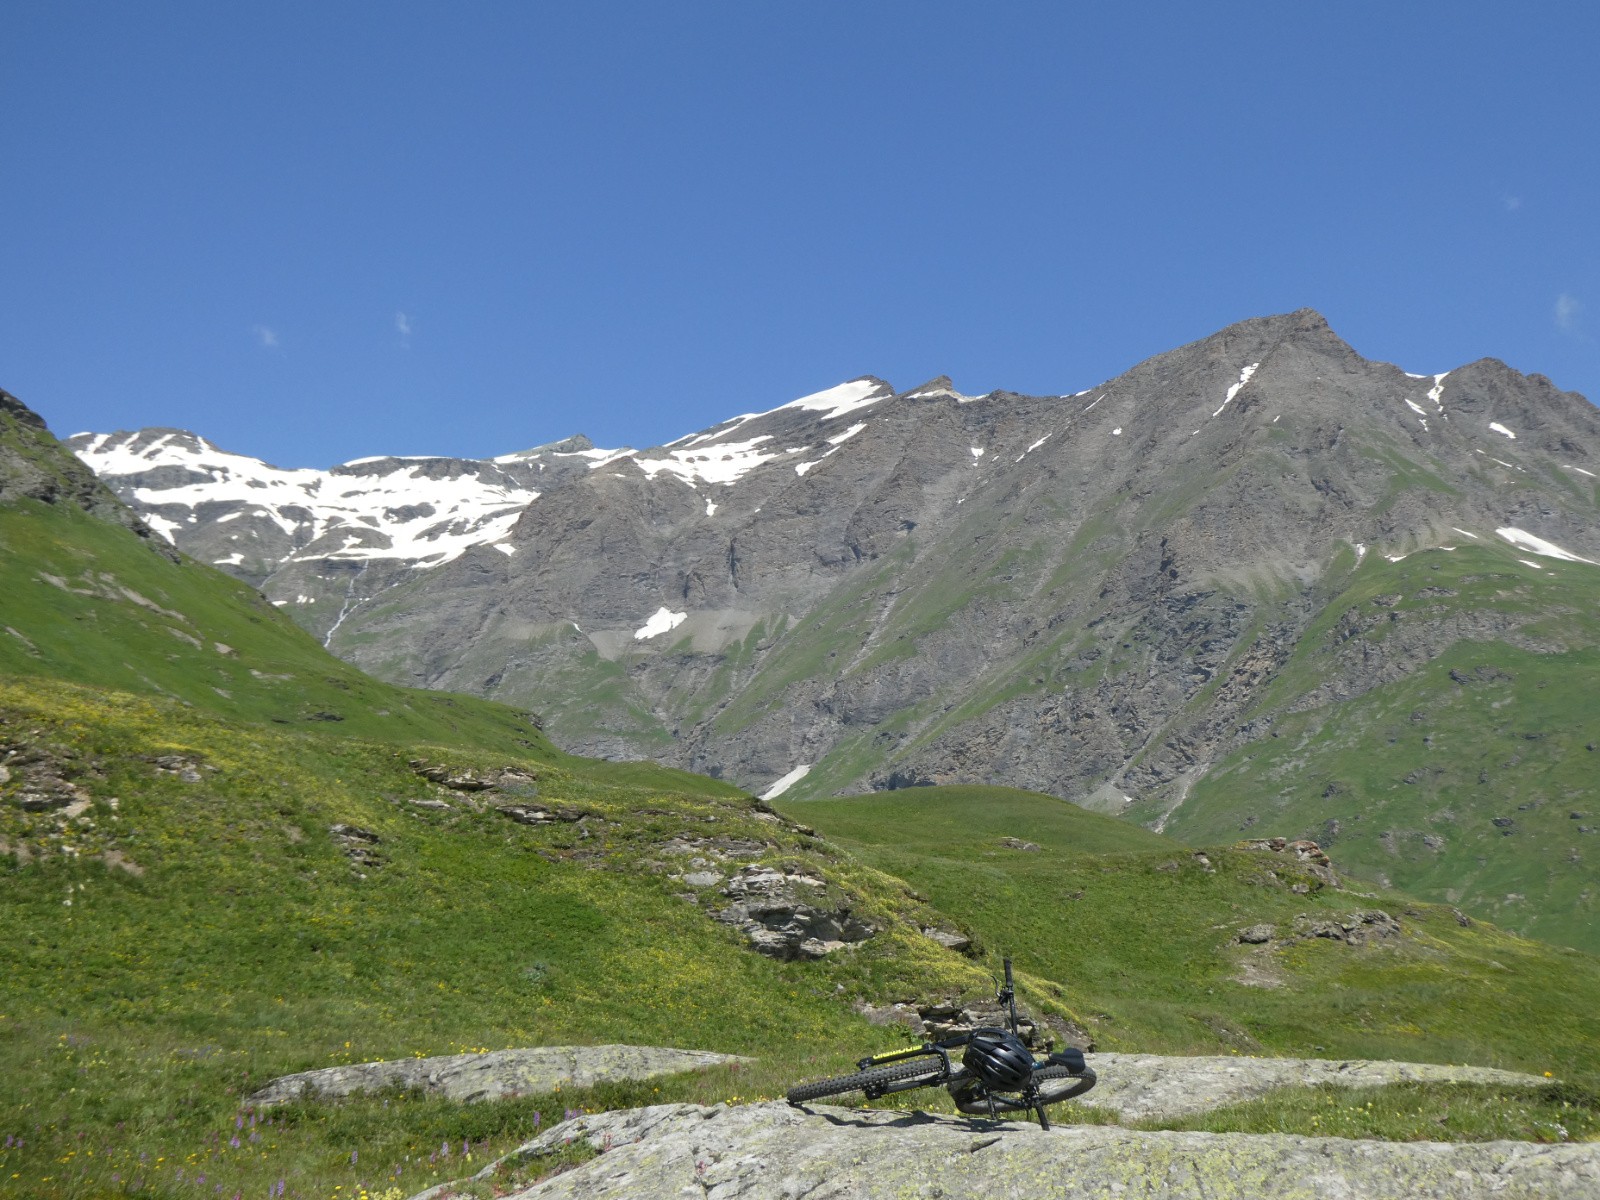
(773, 1152)
(494, 1075)
(1145, 1086)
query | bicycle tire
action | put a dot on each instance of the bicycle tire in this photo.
(873, 1078)
(1044, 1077)
(1076, 1085)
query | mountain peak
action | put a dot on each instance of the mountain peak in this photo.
(12, 407)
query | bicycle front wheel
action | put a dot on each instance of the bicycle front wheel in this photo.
(896, 1077)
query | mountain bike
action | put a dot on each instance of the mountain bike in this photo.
(997, 1072)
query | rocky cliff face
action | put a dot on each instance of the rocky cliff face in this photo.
(1087, 595)
(33, 467)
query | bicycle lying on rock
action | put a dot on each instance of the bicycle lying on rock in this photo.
(997, 1072)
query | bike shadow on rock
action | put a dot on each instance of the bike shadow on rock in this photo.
(897, 1119)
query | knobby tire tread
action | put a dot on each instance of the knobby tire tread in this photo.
(862, 1080)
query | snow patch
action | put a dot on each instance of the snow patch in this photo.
(977, 452)
(727, 462)
(443, 516)
(1415, 407)
(1466, 532)
(1523, 540)
(1528, 562)
(801, 468)
(1033, 447)
(711, 508)
(1581, 471)
(508, 551)
(663, 620)
(1117, 432)
(1244, 378)
(840, 438)
(1361, 551)
(836, 402)
(788, 781)
(1499, 428)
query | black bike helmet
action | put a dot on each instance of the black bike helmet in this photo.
(999, 1058)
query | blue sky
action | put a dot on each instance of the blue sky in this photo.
(319, 231)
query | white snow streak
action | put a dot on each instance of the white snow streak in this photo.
(1499, 428)
(1523, 540)
(508, 551)
(1467, 532)
(661, 621)
(801, 468)
(1244, 378)
(787, 782)
(841, 438)
(1415, 407)
(1528, 562)
(1033, 447)
(1581, 471)
(1361, 552)
(1436, 392)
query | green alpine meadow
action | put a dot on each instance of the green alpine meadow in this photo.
(227, 856)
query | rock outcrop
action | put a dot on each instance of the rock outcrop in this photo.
(768, 1151)
(785, 916)
(494, 1075)
(1143, 1086)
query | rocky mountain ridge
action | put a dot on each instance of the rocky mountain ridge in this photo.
(919, 586)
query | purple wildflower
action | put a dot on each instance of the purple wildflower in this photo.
(234, 1141)
(352, 1158)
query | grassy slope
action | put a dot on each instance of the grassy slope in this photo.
(248, 945)
(1140, 937)
(1404, 783)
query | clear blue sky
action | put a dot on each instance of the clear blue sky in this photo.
(636, 219)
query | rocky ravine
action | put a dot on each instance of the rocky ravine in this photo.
(768, 1151)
